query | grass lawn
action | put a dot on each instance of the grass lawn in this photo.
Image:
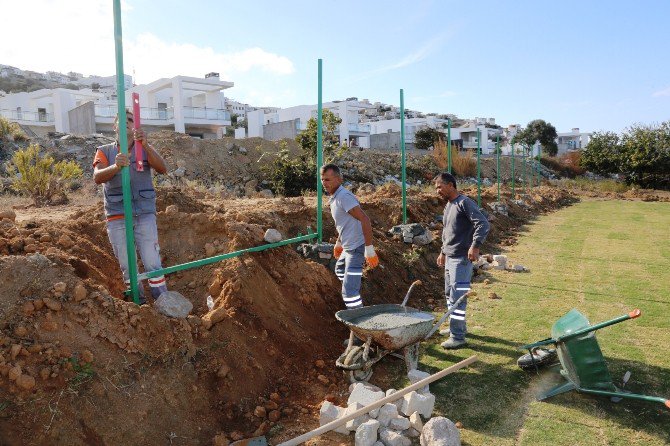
(604, 258)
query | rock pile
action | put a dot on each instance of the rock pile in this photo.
(412, 233)
(395, 423)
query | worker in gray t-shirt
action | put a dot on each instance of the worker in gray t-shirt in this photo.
(465, 229)
(354, 236)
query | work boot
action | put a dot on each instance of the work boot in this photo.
(451, 344)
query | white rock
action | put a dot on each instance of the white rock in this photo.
(387, 412)
(364, 395)
(415, 376)
(374, 413)
(352, 425)
(440, 431)
(173, 304)
(399, 423)
(500, 261)
(366, 433)
(393, 438)
(330, 412)
(411, 433)
(378, 443)
(416, 402)
(415, 421)
(272, 236)
(398, 402)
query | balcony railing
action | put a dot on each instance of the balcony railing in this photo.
(361, 128)
(109, 111)
(14, 115)
(216, 114)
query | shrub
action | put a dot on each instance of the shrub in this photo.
(11, 130)
(40, 176)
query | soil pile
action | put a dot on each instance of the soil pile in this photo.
(79, 365)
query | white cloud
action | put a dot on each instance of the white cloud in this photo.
(660, 93)
(78, 35)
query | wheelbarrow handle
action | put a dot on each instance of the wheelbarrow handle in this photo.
(445, 315)
(547, 341)
(411, 287)
(632, 315)
(633, 396)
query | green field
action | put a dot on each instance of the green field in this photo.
(604, 258)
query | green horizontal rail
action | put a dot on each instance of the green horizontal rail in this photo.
(230, 255)
(633, 396)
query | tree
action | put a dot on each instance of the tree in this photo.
(426, 137)
(41, 177)
(290, 175)
(539, 130)
(641, 154)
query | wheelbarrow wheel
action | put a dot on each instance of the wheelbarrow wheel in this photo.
(541, 357)
(360, 375)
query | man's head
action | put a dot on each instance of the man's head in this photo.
(445, 186)
(331, 178)
(129, 124)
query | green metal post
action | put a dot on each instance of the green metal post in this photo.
(498, 164)
(525, 178)
(402, 154)
(449, 145)
(319, 161)
(513, 179)
(539, 165)
(123, 143)
(479, 169)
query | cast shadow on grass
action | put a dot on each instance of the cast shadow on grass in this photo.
(650, 417)
(493, 398)
(567, 290)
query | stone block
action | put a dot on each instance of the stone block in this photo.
(415, 376)
(173, 304)
(352, 425)
(387, 412)
(330, 412)
(366, 433)
(364, 394)
(440, 431)
(393, 438)
(416, 402)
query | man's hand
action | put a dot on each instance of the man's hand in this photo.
(473, 254)
(440, 259)
(371, 257)
(121, 160)
(138, 135)
(337, 250)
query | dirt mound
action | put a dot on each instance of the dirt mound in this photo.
(79, 365)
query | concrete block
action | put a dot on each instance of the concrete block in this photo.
(352, 425)
(387, 412)
(366, 433)
(415, 376)
(399, 423)
(416, 402)
(398, 402)
(364, 394)
(393, 438)
(415, 422)
(440, 431)
(330, 412)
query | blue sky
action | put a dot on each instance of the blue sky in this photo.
(587, 64)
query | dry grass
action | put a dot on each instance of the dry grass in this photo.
(462, 163)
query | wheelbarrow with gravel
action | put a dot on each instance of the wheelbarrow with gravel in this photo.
(384, 329)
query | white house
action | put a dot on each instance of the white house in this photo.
(238, 108)
(185, 104)
(574, 140)
(287, 122)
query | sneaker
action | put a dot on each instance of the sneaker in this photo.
(445, 332)
(451, 344)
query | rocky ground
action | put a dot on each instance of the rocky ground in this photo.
(81, 366)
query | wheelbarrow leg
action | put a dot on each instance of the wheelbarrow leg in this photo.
(561, 388)
(411, 354)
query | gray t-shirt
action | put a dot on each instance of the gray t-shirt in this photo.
(464, 226)
(349, 229)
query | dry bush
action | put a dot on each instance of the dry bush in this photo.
(571, 161)
(463, 164)
(440, 155)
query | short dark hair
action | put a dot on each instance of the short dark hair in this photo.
(446, 177)
(128, 112)
(332, 167)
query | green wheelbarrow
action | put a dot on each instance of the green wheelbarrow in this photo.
(582, 361)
